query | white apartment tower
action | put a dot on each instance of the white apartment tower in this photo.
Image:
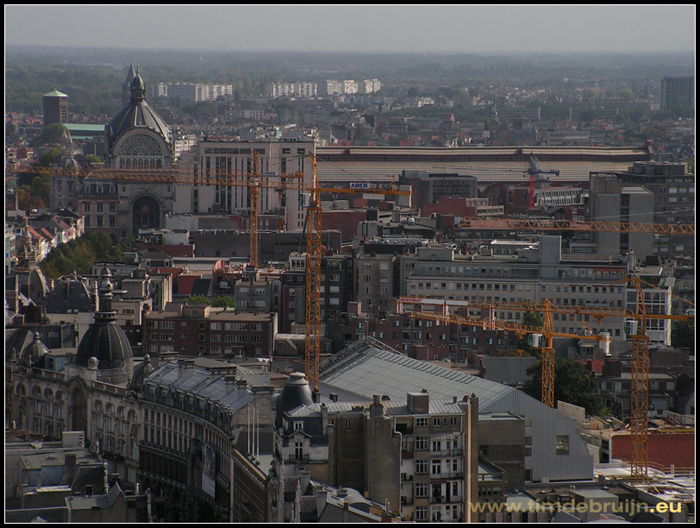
(219, 158)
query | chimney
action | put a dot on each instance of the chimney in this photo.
(185, 367)
(71, 461)
(376, 409)
(231, 384)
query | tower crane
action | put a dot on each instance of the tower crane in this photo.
(535, 171)
(639, 400)
(570, 225)
(254, 181)
(313, 268)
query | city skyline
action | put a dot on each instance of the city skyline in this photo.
(364, 29)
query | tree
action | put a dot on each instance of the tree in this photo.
(219, 301)
(50, 157)
(530, 318)
(51, 134)
(571, 385)
(683, 334)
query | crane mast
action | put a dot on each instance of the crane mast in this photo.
(312, 349)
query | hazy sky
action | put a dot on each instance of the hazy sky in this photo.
(360, 28)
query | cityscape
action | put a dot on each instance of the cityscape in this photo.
(341, 264)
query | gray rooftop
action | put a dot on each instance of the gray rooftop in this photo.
(368, 367)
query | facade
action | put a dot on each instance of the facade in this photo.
(424, 340)
(55, 108)
(218, 159)
(428, 188)
(192, 92)
(297, 89)
(612, 201)
(673, 190)
(200, 329)
(677, 91)
(419, 455)
(330, 87)
(506, 271)
(136, 138)
(567, 137)
(194, 419)
(376, 280)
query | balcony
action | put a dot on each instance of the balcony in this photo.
(446, 500)
(446, 453)
(446, 475)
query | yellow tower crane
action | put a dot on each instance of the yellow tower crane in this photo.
(639, 399)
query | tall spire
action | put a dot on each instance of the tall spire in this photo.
(105, 314)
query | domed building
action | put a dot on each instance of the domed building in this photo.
(105, 347)
(34, 354)
(126, 85)
(296, 392)
(138, 137)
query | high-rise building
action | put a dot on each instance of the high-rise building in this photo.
(55, 108)
(677, 91)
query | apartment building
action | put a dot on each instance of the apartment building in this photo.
(330, 87)
(192, 92)
(297, 89)
(377, 280)
(200, 329)
(217, 160)
(260, 295)
(194, 419)
(677, 91)
(349, 86)
(567, 137)
(336, 289)
(418, 454)
(367, 86)
(673, 190)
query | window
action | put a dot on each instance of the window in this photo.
(421, 513)
(435, 467)
(421, 466)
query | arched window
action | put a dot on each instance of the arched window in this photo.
(109, 418)
(97, 415)
(140, 150)
(37, 400)
(121, 426)
(58, 406)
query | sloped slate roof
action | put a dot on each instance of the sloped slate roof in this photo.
(137, 114)
(372, 370)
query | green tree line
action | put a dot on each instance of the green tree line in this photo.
(80, 254)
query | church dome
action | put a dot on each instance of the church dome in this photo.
(104, 339)
(296, 392)
(137, 114)
(33, 354)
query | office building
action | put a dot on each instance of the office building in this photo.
(218, 159)
(677, 91)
